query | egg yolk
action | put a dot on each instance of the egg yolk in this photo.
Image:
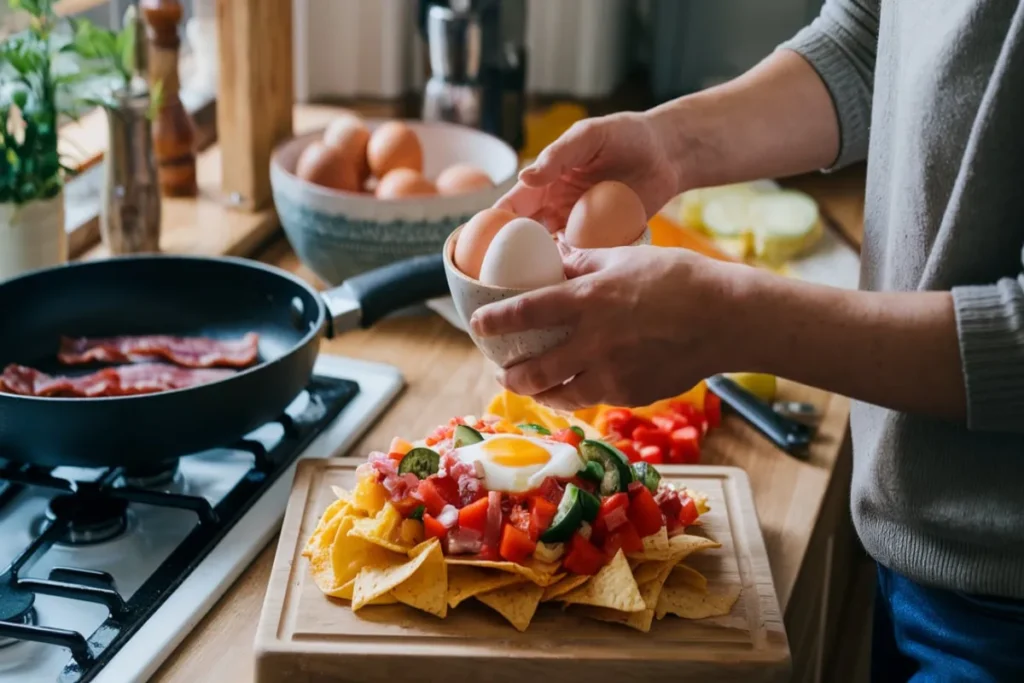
(515, 452)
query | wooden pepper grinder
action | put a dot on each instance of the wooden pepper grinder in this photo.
(174, 133)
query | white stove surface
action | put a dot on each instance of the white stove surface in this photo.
(155, 532)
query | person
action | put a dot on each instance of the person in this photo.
(931, 348)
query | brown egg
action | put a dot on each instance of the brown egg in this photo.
(394, 145)
(609, 214)
(329, 167)
(462, 179)
(474, 238)
(402, 183)
(349, 134)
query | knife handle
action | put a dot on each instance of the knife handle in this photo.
(789, 435)
(382, 291)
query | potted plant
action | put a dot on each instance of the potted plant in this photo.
(46, 74)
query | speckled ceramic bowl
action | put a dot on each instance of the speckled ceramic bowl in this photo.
(469, 294)
(340, 234)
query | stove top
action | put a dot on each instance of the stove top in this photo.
(104, 571)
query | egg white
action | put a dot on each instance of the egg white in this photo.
(564, 461)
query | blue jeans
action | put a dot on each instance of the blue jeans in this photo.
(929, 635)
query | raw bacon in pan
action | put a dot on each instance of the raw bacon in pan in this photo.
(123, 380)
(190, 352)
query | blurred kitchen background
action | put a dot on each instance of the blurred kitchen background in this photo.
(577, 49)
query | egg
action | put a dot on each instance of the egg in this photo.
(463, 179)
(349, 134)
(394, 145)
(476, 236)
(514, 463)
(402, 183)
(523, 255)
(609, 214)
(328, 167)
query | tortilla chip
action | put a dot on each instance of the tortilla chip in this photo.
(381, 577)
(563, 586)
(683, 575)
(351, 554)
(678, 548)
(427, 588)
(649, 591)
(345, 593)
(517, 603)
(341, 493)
(613, 587)
(316, 538)
(381, 530)
(689, 603)
(321, 561)
(467, 582)
(657, 541)
(540, 573)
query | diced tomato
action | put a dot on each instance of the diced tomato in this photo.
(519, 517)
(652, 436)
(685, 445)
(713, 409)
(583, 556)
(551, 490)
(671, 507)
(613, 508)
(628, 449)
(689, 513)
(654, 455)
(542, 511)
(474, 516)
(625, 537)
(407, 505)
(434, 492)
(612, 502)
(644, 512)
(568, 436)
(669, 422)
(616, 418)
(433, 528)
(516, 544)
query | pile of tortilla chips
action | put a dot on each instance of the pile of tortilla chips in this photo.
(362, 551)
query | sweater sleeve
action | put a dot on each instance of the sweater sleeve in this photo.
(990, 327)
(840, 44)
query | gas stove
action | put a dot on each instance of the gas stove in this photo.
(104, 571)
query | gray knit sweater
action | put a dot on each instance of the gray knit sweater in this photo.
(931, 92)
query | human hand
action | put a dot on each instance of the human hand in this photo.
(646, 324)
(628, 147)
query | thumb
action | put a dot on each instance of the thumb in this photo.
(575, 148)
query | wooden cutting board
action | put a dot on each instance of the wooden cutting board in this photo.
(305, 637)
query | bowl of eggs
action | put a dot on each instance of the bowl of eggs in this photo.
(497, 255)
(363, 193)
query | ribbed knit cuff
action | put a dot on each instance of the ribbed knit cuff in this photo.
(990, 327)
(850, 96)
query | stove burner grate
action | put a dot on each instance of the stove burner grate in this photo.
(88, 511)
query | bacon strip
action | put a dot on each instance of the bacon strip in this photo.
(124, 380)
(190, 352)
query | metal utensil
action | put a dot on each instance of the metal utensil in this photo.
(789, 435)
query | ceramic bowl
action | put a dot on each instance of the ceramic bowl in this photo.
(469, 294)
(339, 234)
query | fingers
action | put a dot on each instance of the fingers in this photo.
(551, 370)
(580, 262)
(546, 307)
(575, 148)
(583, 391)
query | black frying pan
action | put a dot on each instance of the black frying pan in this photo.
(220, 298)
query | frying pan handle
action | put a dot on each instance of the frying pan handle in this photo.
(364, 299)
(789, 435)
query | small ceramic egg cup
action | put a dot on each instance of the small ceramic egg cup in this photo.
(469, 294)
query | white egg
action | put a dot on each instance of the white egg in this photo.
(514, 463)
(522, 255)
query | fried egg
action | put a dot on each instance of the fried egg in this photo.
(514, 463)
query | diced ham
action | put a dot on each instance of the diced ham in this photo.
(492, 532)
(190, 352)
(463, 541)
(123, 380)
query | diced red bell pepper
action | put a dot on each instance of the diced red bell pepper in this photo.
(628, 449)
(669, 422)
(685, 445)
(433, 528)
(551, 490)
(407, 505)
(489, 553)
(583, 556)
(516, 544)
(653, 455)
(644, 512)
(474, 516)
(625, 537)
(612, 502)
(569, 436)
(713, 409)
(437, 492)
(689, 513)
(609, 506)
(542, 511)
(652, 436)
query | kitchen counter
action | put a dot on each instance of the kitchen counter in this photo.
(802, 505)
